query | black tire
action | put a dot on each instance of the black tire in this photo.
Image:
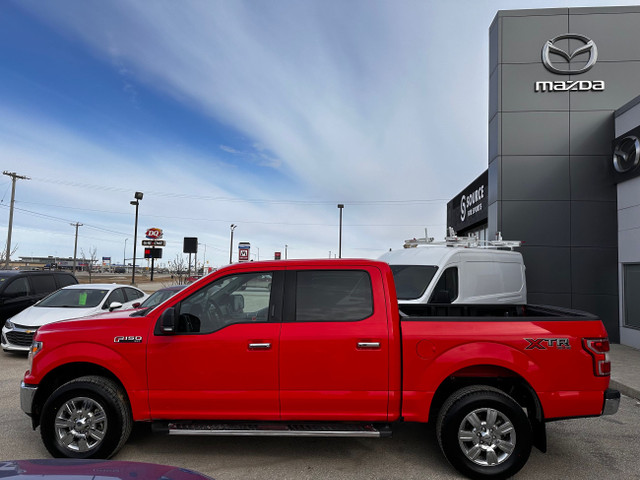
(484, 433)
(88, 417)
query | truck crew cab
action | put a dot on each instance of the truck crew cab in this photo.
(318, 347)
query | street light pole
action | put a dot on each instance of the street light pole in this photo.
(136, 202)
(340, 206)
(124, 254)
(233, 227)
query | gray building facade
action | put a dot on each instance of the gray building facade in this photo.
(626, 155)
(556, 78)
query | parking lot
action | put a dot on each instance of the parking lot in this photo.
(605, 447)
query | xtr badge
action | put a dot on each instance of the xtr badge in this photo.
(546, 343)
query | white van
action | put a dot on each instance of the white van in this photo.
(459, 270)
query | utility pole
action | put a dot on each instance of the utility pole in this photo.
(14, 176)
(75, 247)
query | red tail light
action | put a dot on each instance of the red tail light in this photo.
(598, 348)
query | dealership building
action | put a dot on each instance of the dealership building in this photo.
(564, 158)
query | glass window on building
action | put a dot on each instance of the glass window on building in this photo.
(631, 297)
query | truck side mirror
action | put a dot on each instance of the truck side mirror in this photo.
(168, 321)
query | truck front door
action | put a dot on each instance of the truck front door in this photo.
(222, 361)
(334, 346)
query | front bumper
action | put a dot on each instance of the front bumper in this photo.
(611, 401)
(27, 394)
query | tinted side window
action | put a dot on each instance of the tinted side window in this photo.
(116, 296)
(43, 283)
(19, 287)
(65, 280)
(333, 296)
(446, 290)
(239, 298)
(132, 294)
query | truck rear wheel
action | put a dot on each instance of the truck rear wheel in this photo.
(484, 433)
(88, 417)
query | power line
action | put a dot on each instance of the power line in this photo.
(202, 219)
(243, 200)
(64, 220)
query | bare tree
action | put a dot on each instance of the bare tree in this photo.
(91, 260)
(178, 269)
(3, 255)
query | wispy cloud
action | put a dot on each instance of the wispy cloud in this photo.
(353, 101)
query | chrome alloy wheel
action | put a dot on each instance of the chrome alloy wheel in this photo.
(487, 437)
(80, 425)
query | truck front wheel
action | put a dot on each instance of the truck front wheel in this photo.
(88, 417)
(484, 433)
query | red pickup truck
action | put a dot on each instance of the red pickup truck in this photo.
(318, 347)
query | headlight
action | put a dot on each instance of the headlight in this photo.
(9, 324)
(33, 350)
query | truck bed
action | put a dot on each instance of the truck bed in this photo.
(453, 312)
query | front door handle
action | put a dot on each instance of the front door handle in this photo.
(259, 346)
(368, 344)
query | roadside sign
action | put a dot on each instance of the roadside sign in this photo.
(243, 251)
(154, 233)
(154, 243)
(152, 253)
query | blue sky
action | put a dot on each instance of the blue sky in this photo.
(261, 114)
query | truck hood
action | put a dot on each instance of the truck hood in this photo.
(93, 321)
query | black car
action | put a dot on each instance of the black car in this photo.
(21, 289)
(156, 298)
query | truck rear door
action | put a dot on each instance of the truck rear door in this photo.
(334, 345)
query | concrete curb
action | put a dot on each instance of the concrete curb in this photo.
(625, 389)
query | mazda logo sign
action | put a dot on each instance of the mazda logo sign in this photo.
(626, 154)
(588, 47)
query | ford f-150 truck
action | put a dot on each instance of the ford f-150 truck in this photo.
(318, 347)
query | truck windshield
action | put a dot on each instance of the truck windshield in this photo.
(412, 280)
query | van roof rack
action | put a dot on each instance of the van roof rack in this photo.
(471, 241)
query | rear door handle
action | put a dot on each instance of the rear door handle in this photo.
(259, 346)
(368, 344)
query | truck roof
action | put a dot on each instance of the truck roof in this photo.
(332, 262)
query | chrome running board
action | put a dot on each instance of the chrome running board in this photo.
(278, 429)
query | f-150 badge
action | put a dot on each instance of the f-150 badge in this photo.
(130, 339)
(546, 343)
